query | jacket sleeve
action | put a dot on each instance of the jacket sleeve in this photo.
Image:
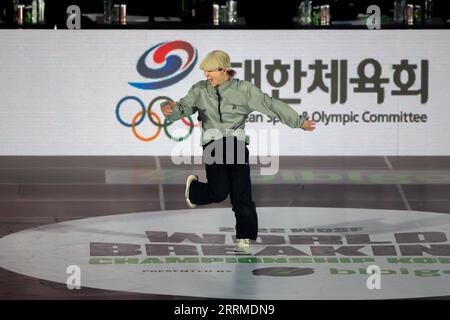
(262, 102)
(185, 107)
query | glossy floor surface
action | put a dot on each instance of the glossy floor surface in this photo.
(36, 191)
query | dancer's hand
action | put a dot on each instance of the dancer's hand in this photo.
(308, 125)
(166, 108)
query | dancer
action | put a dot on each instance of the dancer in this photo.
(223, 103)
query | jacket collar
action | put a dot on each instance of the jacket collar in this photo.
(222, 87)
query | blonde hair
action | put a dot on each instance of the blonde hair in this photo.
(215, 60)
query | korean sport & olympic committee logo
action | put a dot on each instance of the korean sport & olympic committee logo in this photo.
(174, 69)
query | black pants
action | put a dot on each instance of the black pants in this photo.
(225, 179)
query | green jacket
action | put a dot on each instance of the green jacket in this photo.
(226, 107)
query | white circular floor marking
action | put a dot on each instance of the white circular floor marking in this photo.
(301, 253)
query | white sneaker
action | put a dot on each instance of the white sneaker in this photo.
(242, 245)
(189, 179)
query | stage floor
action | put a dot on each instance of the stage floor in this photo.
(37, 191)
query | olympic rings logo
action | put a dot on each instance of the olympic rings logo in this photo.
(173, 70)
(153, 117)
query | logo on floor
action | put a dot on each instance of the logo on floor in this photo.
(300, 253)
